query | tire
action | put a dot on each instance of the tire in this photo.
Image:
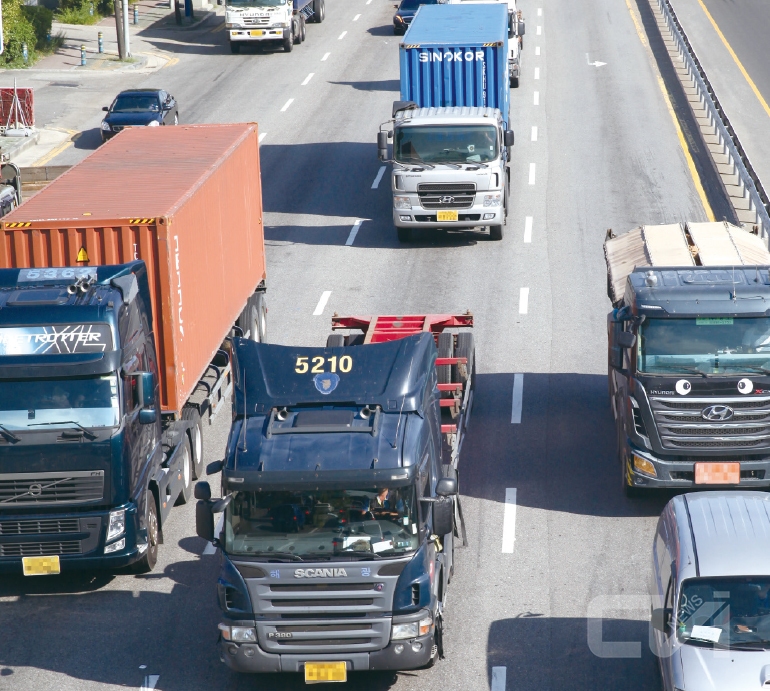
(514, 82)
(446, 348)
(235, 48)
(150, 557)
(496, 233)
(335, 341)
(319, 11)
(260, 301)
(249, 321)
(466, 349)
(302, 29)
(288, 40)
(404, 234)
(176, 118)
(187, 474)
(195, 439)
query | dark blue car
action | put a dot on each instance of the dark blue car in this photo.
(139, 108)
(406, 11)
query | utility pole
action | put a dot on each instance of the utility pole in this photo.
(118, 5)
(126, 40)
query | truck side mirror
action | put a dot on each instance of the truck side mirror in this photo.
(147, 416)
(214, 467)
(446, 487)
(508, 138)
(382, 145)
(626, 339)
(106, 109)
(520, 28)
(661, 619)
(145, 388)
(443, 515)
(204, 519)
(202, 490)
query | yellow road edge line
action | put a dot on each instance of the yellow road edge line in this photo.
(735, 58)
(639, 29)
(686, 150)
(53, 153)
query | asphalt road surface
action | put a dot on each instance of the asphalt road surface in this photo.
(596, 148)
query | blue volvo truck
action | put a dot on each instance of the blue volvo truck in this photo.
(339, 491)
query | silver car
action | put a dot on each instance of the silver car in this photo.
(710, 592)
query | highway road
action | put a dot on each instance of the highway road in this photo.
(597, 148)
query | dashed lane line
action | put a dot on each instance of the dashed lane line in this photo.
(509, 527)
(342, 35)
(537, 98)
(537, 50)
(286, 105)
(534, 133)
(356, 18)
(523, 300)
(498, 678)
(321, 306)
(537, 73)
(308, 78)
(539, 30)
(380, 173)
(528, 229)
(518, 396)
(531, 173)
(262, 136)
(325, 57)
(353, 232)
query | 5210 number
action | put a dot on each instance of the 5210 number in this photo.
(316, 364)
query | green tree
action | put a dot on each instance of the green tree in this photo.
(17, 30)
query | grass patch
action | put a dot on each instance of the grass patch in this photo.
(50, 47)
(78, 15)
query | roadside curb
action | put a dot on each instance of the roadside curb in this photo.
(13, 146)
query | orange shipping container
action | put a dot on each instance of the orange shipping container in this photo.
(188, 201)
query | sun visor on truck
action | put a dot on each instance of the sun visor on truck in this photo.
(392, 375)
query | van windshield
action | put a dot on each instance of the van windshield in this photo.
(317, 524)
(725, 612)
(445, 144)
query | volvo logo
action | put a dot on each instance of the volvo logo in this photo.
(35, 490)
(447, 200)
(717, 413)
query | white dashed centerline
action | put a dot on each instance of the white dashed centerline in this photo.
(539, 30)
(531, 173)
(380, 173)
(509, 528)
(518, 396)
(498, 679)
(326, 55)
(286, 105)
(534, 133)
(528, 229)
(355, 19)
(537, 50)
(523, 300)
(352, 237)
(308, 78)
(262, 136)
(319, 308)
(537, 98)
(539, 11)
(342, 35)
(537, 73)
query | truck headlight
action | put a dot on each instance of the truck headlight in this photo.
(491, 200)
(117, 525)
(106, 126)
(238, 634)
(644, 466)
(399, 632)
(115, 546)
(153, 123)
(233, 25)
(402, 202)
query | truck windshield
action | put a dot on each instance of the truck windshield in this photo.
(40, 404)
(445, 144)
(725, 612)
(723, 345)
(320, 524)
(255, 3)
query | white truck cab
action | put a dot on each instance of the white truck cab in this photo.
(283, 21)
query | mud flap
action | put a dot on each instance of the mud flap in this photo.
(462, 522)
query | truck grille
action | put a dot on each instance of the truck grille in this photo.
(452, 195)
(38, 549)
(35, 527)
(256, 21)
(42, 489)
(298, 638)
(683, 424)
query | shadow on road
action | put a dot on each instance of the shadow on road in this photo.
(384, 85)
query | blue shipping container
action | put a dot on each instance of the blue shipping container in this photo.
(457, 55)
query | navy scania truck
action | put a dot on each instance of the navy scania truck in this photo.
(339, 491)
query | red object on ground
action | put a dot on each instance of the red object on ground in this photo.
(26, 100)
(389, 328)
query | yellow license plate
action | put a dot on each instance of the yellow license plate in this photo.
(41, 566)
(322, 672)
(717, 473)
(256, 33)
(447, 215)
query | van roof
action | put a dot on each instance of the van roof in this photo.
(731, 531)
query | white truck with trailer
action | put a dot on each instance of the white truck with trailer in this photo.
(267, 22)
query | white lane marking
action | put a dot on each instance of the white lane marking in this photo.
(368, 2)
(595, 63)
(531, 173)
(286, 105)
(262, 136)
(210, 549)
(149, 681)
(380, 173)
(539, 30)
(537, 50)
(498, 679)
(509, 520)
(539, 11)
(523, 300)
(308, 78)
(355, 19)
(528, 229)
(319, 308)
(351, 239)
(537, 73)
(534, 133)
(342, 35)
(537, 98)
(326, 55)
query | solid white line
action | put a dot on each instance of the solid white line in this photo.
(534, 133)
(355, 19)
(319, 308)
(539, 11)
(326, 55)
(539, 30)
(537, 50)
(308, 78)
(537, 73)
(286, 105)
(509, 520)
(262, 136)
(210, 549)
(351, 239)
(537, 98)
(498, 679)
(342, 35)
(528, 229)
(380, 173)
(531, 173)
(149, 681)
(523, 300)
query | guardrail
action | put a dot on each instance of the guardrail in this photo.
(749, 180)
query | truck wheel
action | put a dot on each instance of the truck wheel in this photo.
(335, 341)
(261, 302)
(496, 232)
(187, 474)
(446, 343)
(319, 11)
(404, 234)
(249, 320)
(464, 349)
(191, 414)
(235, 48)
(150, 557)
(288, 40)
(302, 29)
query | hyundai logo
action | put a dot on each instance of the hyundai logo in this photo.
(447, 200)
(717, 413)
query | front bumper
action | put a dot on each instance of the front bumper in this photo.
(266, 34)
(673, 471)
(467, 218)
